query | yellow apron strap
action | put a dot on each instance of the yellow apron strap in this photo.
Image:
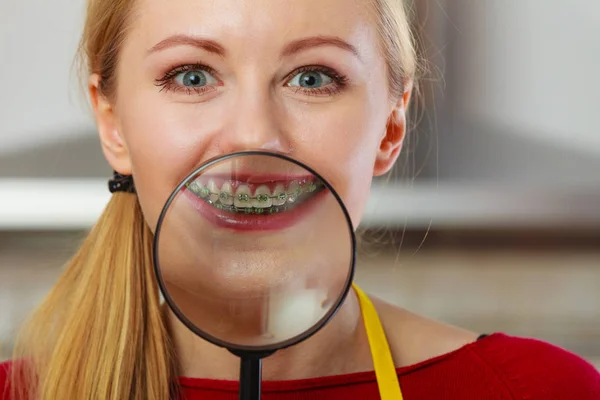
(385, 369)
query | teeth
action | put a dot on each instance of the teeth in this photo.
(214, 191)
(242, 197)
(194, 187)
(226, 195)
(261, 201)
(294, 191)
(262, 197)
(279, 195)
(310, 187)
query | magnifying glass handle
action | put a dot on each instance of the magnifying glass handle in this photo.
(250, 378)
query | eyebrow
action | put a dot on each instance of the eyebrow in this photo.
(317, 41)
(184, 40)
(290, 49)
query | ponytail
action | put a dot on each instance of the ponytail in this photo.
(100, 333)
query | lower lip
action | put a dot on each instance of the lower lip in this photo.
(242, 222)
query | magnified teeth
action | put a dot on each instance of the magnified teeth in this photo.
(214, 191)
(309, 187)
(226, 195)
(294, 191)
(194, 187)
(262, 197)
(250, 200)
(279, 195)
(242, 197)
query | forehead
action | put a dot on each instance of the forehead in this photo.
(253, 24)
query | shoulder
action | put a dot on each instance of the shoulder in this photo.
(535, 369)
(525, 367)
(414, 339)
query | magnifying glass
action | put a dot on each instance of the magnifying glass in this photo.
(254, 252)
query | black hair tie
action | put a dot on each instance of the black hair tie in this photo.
(121, 183)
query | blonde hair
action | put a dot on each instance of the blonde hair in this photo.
(100, 333)
(397, 42)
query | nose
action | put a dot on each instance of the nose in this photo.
(255, 122)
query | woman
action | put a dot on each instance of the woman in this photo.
(178, 82)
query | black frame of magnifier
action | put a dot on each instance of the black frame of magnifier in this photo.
(252, 355)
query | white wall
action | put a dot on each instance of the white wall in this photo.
(531, 66)
(39, 99)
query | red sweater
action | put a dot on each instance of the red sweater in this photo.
(498, 367)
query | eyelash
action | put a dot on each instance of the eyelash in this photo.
(340, 82)
(167, 82)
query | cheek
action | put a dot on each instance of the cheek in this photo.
(341, 143)
(165, 145)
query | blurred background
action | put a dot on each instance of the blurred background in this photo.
(491, 219)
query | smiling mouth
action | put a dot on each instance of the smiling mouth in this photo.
(267, 198)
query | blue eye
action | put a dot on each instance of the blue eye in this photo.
(195, 79)
(311, 80)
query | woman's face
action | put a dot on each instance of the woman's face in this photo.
(199, 78)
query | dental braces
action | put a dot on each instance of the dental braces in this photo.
(250, 210)
(204, 192)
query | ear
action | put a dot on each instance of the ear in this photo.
(393, 138)
(113, 145)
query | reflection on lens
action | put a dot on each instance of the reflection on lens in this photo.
(254, 251)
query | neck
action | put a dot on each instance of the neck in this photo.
(340, 347)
